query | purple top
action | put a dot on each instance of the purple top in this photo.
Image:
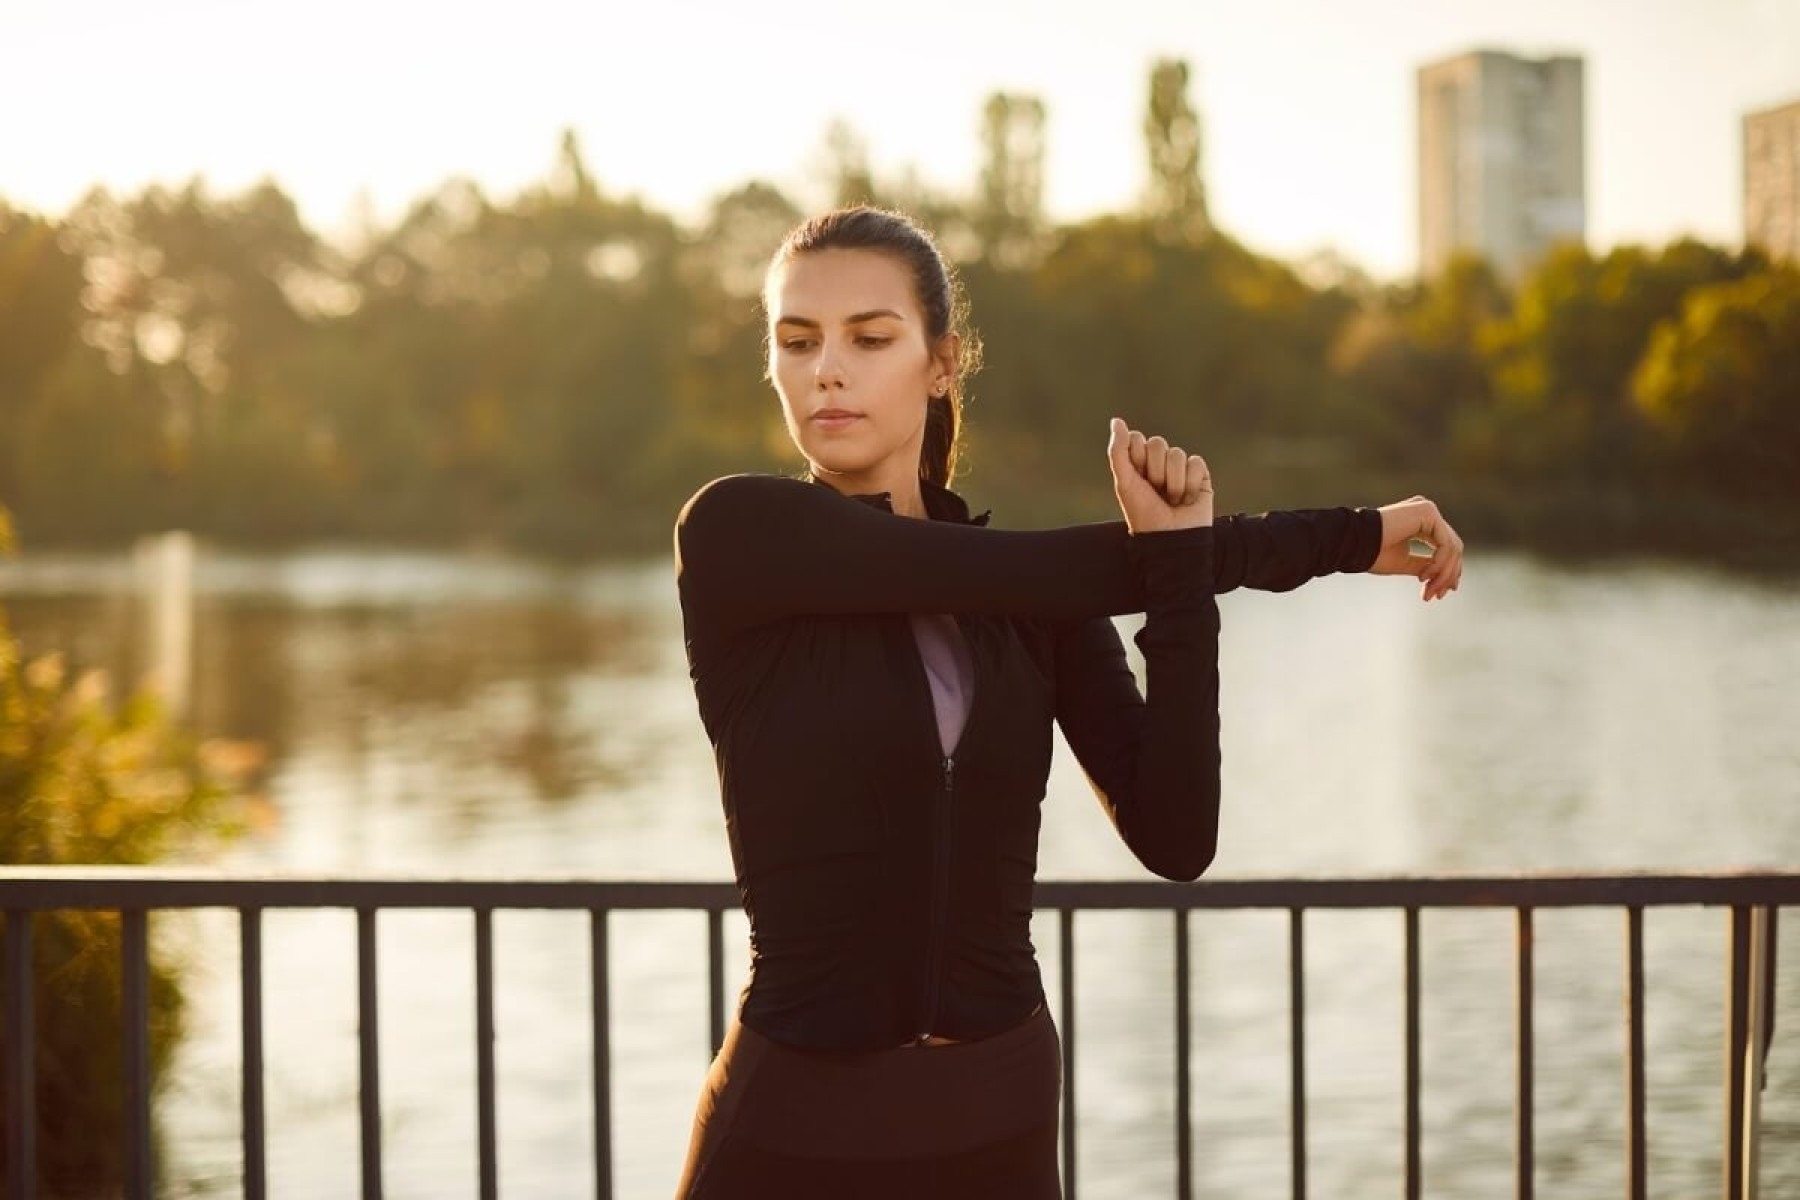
(950, 671)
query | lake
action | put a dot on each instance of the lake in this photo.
(427, 713)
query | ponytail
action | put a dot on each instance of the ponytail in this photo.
(938, 452)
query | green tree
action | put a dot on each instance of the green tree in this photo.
(1721, 384)
(1208, 341)
(40, 312)
(1561, 366)
(845, 165)
(742, 229)
(93, 465)
(1009, 210)
(725, 418)
(1177, 196)
(201, 306)
(1414, 361)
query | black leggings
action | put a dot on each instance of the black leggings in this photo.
(974, 1119)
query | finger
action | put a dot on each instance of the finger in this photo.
(1199, 480)
(1450, 578)
(1436, 530)
(1118, 453)
(1441, 577)
(1175, 474)
(1429, 579)
(1137, 451)
(1156, 461)
(1446, 576)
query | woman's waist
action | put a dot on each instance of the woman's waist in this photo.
(860, 1011)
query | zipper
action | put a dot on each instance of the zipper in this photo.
(940, 896)
(942, 842)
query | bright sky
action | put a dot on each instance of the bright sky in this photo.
(1308, 105)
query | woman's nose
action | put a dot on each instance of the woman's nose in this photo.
(830, 372)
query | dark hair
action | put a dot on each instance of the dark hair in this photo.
(940, 297)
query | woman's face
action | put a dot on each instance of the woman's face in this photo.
(849, 355)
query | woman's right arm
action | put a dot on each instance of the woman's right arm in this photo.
(755, 548)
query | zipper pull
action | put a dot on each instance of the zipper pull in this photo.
(949, 771)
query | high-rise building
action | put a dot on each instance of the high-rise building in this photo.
(1501, 158)
(1772, 180)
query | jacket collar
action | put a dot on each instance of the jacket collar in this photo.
(941, 504)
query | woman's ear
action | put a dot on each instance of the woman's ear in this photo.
(943, 362)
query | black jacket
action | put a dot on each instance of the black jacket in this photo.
(889, 886)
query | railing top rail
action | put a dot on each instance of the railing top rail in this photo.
(43, 888)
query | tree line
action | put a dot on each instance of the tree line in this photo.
(557, 370)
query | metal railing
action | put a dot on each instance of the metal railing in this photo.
(1752, 900)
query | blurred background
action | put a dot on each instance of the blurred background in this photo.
(354, 362)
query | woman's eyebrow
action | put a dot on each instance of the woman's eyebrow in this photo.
(873, 314)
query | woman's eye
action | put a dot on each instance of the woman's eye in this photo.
(873, 341)
(795, 343)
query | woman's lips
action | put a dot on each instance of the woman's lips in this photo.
(835, 418)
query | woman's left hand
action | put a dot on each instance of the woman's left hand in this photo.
(1418, 519)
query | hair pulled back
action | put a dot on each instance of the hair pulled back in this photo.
(940, 298)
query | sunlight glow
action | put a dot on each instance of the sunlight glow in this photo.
(1307, 104)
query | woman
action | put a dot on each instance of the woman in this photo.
(879, 675)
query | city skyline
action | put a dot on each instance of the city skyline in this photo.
(1307, 110)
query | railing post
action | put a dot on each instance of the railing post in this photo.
(715, 978)
(1636, 1175)
(600, 986)
(369, 1053)
(1297, 1050)
(1524, 1103)
(1737, 1006)
(487, 1154)
(20, 1072)
(1066, 940)
(251, 1019)
(134, 1009)
(1413, 1185)
(1184, 1131)
(1758, 978)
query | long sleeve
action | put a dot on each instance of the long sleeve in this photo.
(1279, 551)
(755, 548)
(1153, 760)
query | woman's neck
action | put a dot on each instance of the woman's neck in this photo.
(904, 493)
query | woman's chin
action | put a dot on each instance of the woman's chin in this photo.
(832, 460)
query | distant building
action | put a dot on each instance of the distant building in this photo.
(1772, 181)
(1501, 158)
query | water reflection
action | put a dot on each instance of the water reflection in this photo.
(445, 714)
(483, 684)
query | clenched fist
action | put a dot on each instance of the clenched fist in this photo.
(1158, 486)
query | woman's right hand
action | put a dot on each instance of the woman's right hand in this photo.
(1158, 486)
